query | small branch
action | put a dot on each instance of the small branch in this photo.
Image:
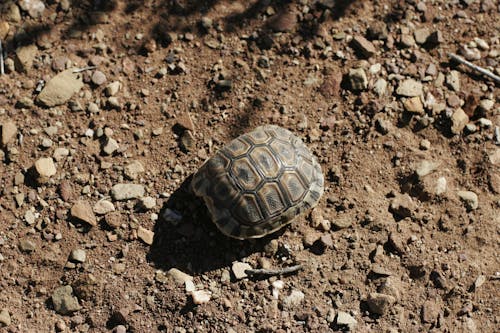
(2, 69)
(474, 67)
(272, 272)
(79, 70)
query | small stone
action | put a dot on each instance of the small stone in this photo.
(284, 22)
(119, 329)
(201, 296)
(294, 299)
(29, 217)
(4, 318)
(9, 132)
(345, 319)
(187, 141)
(157, 131)
(435, 38)
(92, 108)
(425, 144)
(47, 143)
(430, 312)
(98, 78)
(113, 103)
(63, 300)
(239, 268)
(179, 277)
(470, 53)
(326, 241)
(380, 303)
(425, 167)
(421, 35)
(453, 80)
(78, 255)
(133, 169)
(410, 88)
(147, 203)
(407, 41)
(364, 46)
(414, 105)
(402, 205)
(481, 43)
(60, 153)
(458, 121)
(469, 198)
(486, 104)
(110, 146)
(184, 121)
(66, 190)
(45, 168)
(4, 29)
(172, 216)
(380, 87)
(147, 236)
(441, 186)
(112, 88)
(26, 245)
(35, 8)
(342, 222)
(484, 123)
(127, 191)
(60, 88)
(24, 57)
(357, 79)
(82, 211)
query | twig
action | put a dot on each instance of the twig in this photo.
(2, 69)
(474, 67)
(271, 272)
(79, 70)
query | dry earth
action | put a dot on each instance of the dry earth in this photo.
(405, 238)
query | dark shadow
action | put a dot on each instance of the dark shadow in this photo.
(193, 244)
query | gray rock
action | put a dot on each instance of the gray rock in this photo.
(469, 198)
(26, 245)
(4, 318)
(133, 169)
(60, 88)
(103, 207)
(112, 88)
(110, 146)
(9, 132)
(82, 211)
(410, 88)
(380, 303)
(78, 255)
(380, 87)
(425, 167)
(147, 203)
(357, 79)
(345, 319)
(24, 57)
(364, 46)
(64, 302)
(453, 80)
(127, 191)
(98, 78)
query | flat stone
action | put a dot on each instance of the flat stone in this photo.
(469, 198)
(410, 88)
(9, 132)
(430, 312)
(453, 80)
(184, 121)
(63, 300)
(78, 255)
(414, 105)
(98, 78)
(458, 121)
(102, 207)
(110, 146)
(60, 88)
(60, 153)
(4, 29)
(441, 186)
(4, 318)
(239, 268)
(380, 87)
(345, 319)
(294, 299)
(402, 205)
(26, 245)
(380, 303)
(24, 57)
(127, 191)
(178, 276)
(357, 79)
(82, 211)
(147, 203)
(133, 169)
(45, 167)
(112, 88)
(364, 46)
(201, 296)
(35, 8)
(425, 168)
(147, 236)
(421, 35)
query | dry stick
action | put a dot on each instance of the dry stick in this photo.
(474, 67)
(2, 70)
(271, 272)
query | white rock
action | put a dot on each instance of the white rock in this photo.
(147, 203)
(410, 88)
(9, 132)
(200, 296)
(426, 167)
(453, 80)
(458, 121)
(45, 167)
(78, 255)
(294, 299)
(112, 88)
(380, 87)
(110, 147)
(469, 198)
(441, 186)
(147, 236)
(239, 268)
(127, 191)
(103, 207)
(189, 286)
(345, 319)
(60, 153)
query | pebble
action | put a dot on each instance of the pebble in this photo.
(119, 329)
(486, 104)
(147, 203)
(45, 168)
(481, 43)
(60, 88)
(484, 123)
(127, 191)
(60, 153)
(453, 80)
(82, 211)
(421, 35)
(112, 88)
(78, 255)
(35, 8)
(414, 105)
(110, 146)
(441, 186)
(4, 29)
(357, 79)
(98, 78)
(345, 319)
(458, 121)
(147, 236)
(469, 198)
(364, 46)
(184, 121)
(470, 53)
(133, 169)
(294, 299)
(425, 144)
(4, 318)
(410, 88)
(113, 103)
(201, 296)
(25, 55)
(402, 205)
(430, 311)
(63, 300)
(380, 87)
(239, 268)
(178, 276)
(26, 245)
(380, 303)
(285, 22)
(425, 168)
(47, 143)
(9, 132)
(92, 107)
(29, 217)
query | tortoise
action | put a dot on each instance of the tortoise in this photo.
(259, 182)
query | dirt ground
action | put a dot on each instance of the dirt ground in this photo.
(404, 239)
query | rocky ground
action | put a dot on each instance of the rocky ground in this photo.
(108, 107)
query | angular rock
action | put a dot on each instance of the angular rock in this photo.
(64, 302)
(357, 79)
(380, 303)
(402, 205)
(78, 255)
(239, 268)
(45, 168)
(5, 318)
(184, 121)
(430, 312)
(414, 105)
(26, 245)
(363, 46)
(133, 169)
(4, 29)
(380, 87)
(60, 88)
(469, 198)
(458, 121)
(425, 167)
(345, 319)
(35, 8)
(294, 299)
(453, 80)
(110, 146)
(102, 207)
(82, 211)
(9, 132)
(147, 236)
(24, 57)
(112, 88)
(421, 35)
(410, 88)
(178, 276)
(201, 296)
(127, 191)
(147, 203)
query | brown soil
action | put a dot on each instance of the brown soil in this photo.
(432, 256)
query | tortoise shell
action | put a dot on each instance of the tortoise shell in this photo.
(259, 182)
